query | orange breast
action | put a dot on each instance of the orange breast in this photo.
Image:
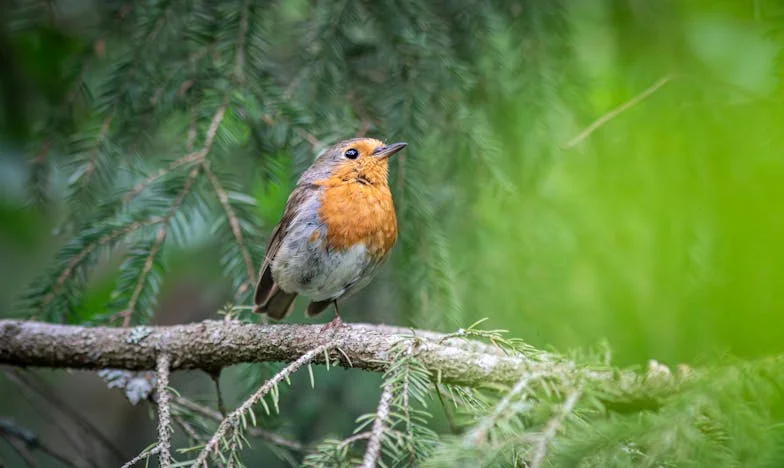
(354, 212)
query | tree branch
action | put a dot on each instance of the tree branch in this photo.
(211, 345)
(373, 450)
(164, 411)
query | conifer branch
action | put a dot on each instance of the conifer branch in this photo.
(232, 421)
(373, 450)
(234, 222)
(552, 428)
(160, 236)
(192, 157)
(210, 413)
(164, 411)
(88, 249)
(216, 344)
(90, 165)
(239, 61)
(145, 454)
(478, 434)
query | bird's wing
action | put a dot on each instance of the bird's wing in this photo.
(266, 284)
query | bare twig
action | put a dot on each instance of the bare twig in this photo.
(22, 450)
(142, 456)
(617, 111)
(552, 427)
(34, 383)
(164, 411)
(233, 419)
(356, 437)
(479, 433)
(47, 412)
(30, 441)
(373, 450)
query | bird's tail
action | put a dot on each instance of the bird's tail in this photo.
(278, 304)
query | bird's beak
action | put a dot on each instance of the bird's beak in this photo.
(383, 152)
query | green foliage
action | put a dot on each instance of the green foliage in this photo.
(162, 129)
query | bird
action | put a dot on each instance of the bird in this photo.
(337, 228)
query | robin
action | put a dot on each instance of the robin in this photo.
(337, 228)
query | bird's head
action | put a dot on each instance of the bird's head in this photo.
(364, 160)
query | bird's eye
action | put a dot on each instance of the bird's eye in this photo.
(351, 153)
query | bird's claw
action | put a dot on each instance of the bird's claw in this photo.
(335, 323)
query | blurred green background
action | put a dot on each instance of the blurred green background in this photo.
(658, 234)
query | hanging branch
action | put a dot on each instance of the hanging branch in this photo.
(164, 411)
(210, 413)
(232, 421)
(552, 428)
(479, 433)
(373, 450)
(234, 222)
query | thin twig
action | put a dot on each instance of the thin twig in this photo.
(187, 428)
(215, 376)
(239, 61)
(142, 456)
(164, 411)
(253, 431)
(617, 111)
(212, 130)
(373, 450)
(10, 430)
(233, 419)
(450, 418)
(479, 432)
(36, 384)
(234, 222)
(90, 166)
(50, 416)
(552, 427)
(350, 440)
(88, 249)
(192, 157)
(22, 450)
(160, 236)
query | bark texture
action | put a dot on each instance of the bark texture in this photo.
(212, 345)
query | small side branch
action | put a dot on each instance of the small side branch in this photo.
(210, 413)
(616, 112)
(145, 454)
(29, 441)
(234, 223)
(165, 429)
(233, 420)
(479, 433)
(552, 428)
(376, 434)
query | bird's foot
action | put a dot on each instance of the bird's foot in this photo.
(335, 323)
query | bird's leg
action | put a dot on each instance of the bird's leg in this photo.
(336, 322)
